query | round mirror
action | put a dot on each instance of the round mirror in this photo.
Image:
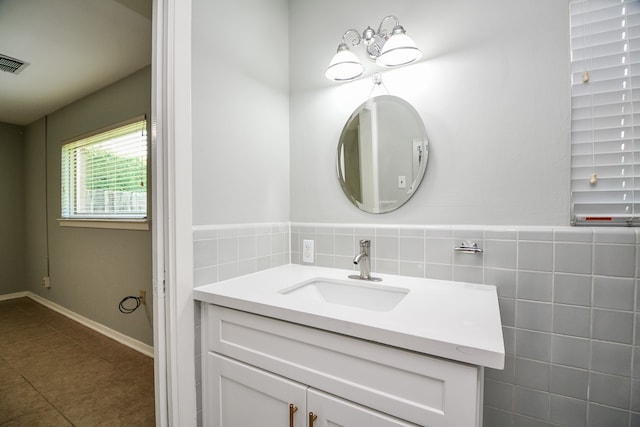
(382, 154)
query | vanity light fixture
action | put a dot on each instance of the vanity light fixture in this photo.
(389, 49)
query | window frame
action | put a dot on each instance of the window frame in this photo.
(108, 222)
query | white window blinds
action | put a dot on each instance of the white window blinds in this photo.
(105, 175)
(605, 108)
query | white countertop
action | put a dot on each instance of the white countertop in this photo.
(458, 321)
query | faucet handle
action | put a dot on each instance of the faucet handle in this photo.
(365, 243)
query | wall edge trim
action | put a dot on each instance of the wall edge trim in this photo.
(123, 339)
(14, 295)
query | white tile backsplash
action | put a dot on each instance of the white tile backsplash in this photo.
(534, 315)
(205, 253)
(500, 253)
(573, 257)
(439, 250)
(610, 390)
(411, 249)
(413, 269)
(571, 320)
(438, 271)
(535, 286)
(614, 235)
(439, 232)
(325, 244)
(537, 256)
(532, 374)
(572, 289)
(570, 351)
(385, 247)
(226, 251)
(263, 242)
(612, 325)
(614, 260)
(463, 273)
(247, 247)
(530, 402)
(574, 235)
(566, 411)
(601, 415)
(614, 292)
(503, 279)
(570, 382)
(611, 358)
(536, 234)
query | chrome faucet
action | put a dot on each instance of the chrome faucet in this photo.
(364, 261)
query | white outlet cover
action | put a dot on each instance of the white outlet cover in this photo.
(307, 251)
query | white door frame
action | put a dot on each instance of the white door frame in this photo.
(173, 322)
(157, 215)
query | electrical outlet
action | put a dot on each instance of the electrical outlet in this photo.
(307, 251)
(143, 297)
(46, 282)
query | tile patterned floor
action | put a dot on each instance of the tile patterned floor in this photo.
(56, 372)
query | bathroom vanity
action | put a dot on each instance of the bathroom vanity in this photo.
(305, 346)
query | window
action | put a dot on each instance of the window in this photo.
(605, 112)
(104, 175)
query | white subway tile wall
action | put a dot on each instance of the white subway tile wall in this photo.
(568, 297)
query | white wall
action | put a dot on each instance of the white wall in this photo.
(240, 111)
(492, 88)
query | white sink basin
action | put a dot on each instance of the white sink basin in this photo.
(374, 297)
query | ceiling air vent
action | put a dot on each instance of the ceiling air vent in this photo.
(11, 65)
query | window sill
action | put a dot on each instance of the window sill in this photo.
(115, 224)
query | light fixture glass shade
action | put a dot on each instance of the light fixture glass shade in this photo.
(345, 65)
(400, 49)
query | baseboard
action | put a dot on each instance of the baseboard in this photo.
(13, 295)
(132, 343)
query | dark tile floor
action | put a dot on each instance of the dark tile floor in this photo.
(56, 372)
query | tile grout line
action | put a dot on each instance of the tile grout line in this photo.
(21, 372)
(47, 400)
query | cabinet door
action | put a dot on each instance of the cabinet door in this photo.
(424, 390)
(335, 412)
(241, 395)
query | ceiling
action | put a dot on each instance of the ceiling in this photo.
(72, 47)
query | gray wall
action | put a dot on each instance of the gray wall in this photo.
(12, 211)
(240, 112)
(91, 269)
(35, 167)
(492, 88)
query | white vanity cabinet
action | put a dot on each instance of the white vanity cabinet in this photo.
(255, 367)
(242, 395)
(334, 411)
(247, 396)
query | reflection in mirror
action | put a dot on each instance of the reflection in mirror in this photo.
(382, 154)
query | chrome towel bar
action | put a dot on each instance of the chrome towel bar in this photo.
(468, 248)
